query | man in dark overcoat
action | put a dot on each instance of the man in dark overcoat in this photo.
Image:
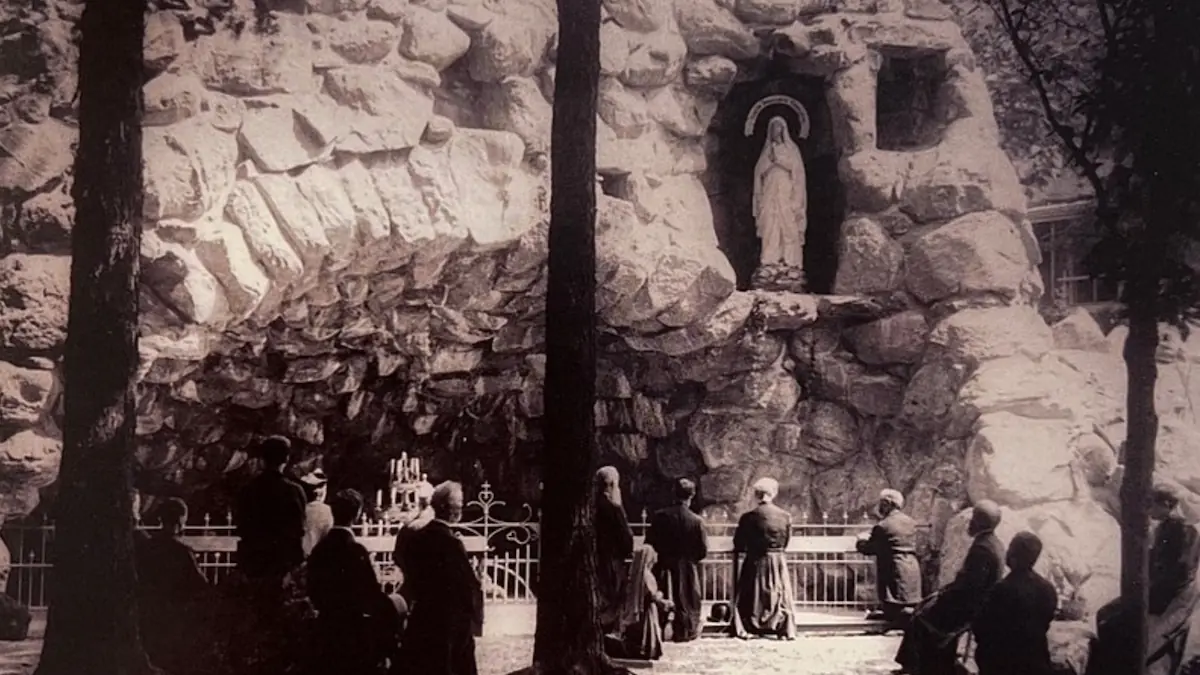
(270, 517)
(893, 544)
(677, 535)
(930, 642)
(1011, 628)
(447, 598)
(357, 624)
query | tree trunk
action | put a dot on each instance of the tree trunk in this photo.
(1138, 481)
(93, 626)
(568, 639)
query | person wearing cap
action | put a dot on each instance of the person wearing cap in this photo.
(893, 544)
(1010, 631)
(269, 517)
(1174, 558)
(764, 601)
(677, 536)
(318, 517)
(930, 644)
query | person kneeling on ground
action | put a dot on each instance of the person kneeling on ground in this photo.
(893, 544)
(639, 627)
(1011, 628)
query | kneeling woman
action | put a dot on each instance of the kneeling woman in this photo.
(639, 628)
(764, 603)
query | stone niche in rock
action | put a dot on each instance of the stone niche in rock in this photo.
(909, 98)
(769, 89)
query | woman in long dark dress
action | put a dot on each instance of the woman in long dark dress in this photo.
(764, 602)
(638, 624)
(614, 545)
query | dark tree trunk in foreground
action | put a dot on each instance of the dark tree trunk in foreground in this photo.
(569, 640)
(1137, 483)
(92, 628)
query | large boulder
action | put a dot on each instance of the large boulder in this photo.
(1019, 462)
(975, 253)
(976, 335)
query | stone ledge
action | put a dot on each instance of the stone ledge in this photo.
(784, 310)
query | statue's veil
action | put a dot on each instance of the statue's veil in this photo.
(784, 153)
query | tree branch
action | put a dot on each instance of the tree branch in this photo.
(1036, 74)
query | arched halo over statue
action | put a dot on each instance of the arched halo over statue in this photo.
(780, 203)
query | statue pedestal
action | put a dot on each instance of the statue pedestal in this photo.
(778, 278)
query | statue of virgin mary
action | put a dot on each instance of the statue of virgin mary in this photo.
(780, 198)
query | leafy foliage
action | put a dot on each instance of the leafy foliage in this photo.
(1111, 78)
(1027, 138)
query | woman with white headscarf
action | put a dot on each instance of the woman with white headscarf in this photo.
(764, 602)
(780, 198)
(614, 545)
(893, 544)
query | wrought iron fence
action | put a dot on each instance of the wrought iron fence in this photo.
(828, 575)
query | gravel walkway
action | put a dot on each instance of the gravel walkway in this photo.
(809, 655)
(499, 654)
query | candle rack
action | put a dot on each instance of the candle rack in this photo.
(405, 480)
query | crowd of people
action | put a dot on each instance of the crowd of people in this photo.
(1008, 615)
(306, 598)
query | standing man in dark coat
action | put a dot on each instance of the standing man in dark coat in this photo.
(678, 536)
(270, 517)
(447, 598)
(929, 646)
(357, 625)
(407, 532)
(175, 601)
(614, 545)
(893, 543)
(1011, 628)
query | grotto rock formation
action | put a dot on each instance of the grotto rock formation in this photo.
(345, 242)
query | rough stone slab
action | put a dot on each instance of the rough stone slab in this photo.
(268, 136)
(724, 322)
(34, 291)
(31, 155)
(781, 310)
(710, 29)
